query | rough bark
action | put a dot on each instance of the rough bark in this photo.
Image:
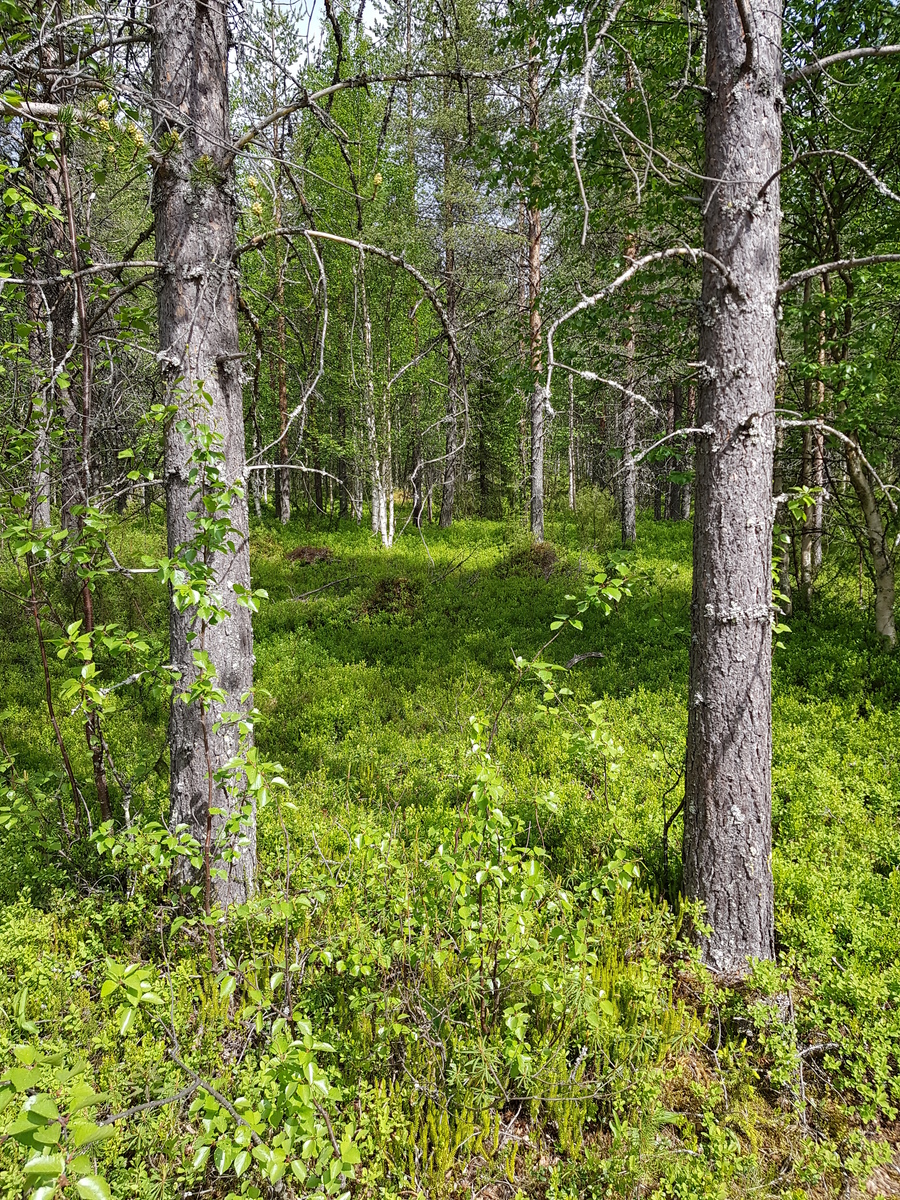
(727, 833)
(198, 325)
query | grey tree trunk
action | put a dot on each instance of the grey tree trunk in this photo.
(571, 443)
(882, 562)
(198, 327)
(40, 466)
(674, 416)
(629, 473)
(534, 318)
(452, 458)
(451, 461)
(728, 817)
(629, 417)
(687, 490)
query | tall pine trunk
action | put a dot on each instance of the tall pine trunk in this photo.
(198, 327)
(728, 811)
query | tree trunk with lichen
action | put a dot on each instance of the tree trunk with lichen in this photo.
(728, 810)
(198, 327)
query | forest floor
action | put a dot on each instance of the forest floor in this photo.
(502, 977)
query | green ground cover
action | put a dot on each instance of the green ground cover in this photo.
(490, 946)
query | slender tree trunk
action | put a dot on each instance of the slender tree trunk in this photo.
(686, 490)
(806, 468)
(198, 325)
(534, 314)
(448, 492)
(342, 472)
(673, 496)
(783, 549)
(816, 515)
(92, 732)
(379, 439)
(283, 483)
(571, 443)
(882, 561)
(40, 467)
(728, 811)
(257, 479)
(283, 474)
(629, 417)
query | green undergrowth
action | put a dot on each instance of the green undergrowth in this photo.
(467, 967)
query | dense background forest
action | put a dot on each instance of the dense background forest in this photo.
(448, 534)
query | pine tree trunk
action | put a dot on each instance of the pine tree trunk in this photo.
(728, 812)
(198, 326)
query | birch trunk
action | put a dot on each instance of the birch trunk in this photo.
(534, 317)
(728, 811)
(379, 441)
(198, 326)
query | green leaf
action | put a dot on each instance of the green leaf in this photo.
(46, 1164)
(201, 1154)
(93, 1187)
(41, 1105)
(241, 1163)
(20, 1078)
(85, 1133)
(126, 1019)
(84, 1096)
(222, 1158)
